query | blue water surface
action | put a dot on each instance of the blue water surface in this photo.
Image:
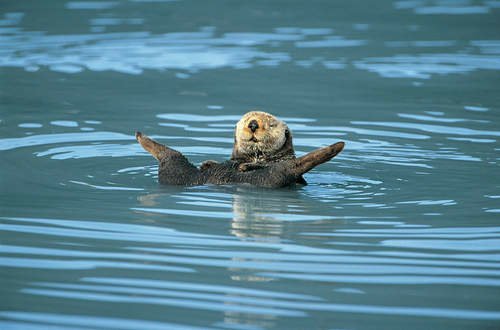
(401, 230)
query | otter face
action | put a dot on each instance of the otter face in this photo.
(259, 135)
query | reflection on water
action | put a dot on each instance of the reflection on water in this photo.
(446, 7)
(191, 51)
(399, 231)
(425, 65)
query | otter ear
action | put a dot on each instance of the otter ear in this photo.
(314, 158)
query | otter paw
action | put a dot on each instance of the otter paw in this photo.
(207, 164)
(245, 167)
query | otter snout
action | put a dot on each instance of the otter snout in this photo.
(253, 125)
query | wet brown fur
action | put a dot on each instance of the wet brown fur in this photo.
(264, 158)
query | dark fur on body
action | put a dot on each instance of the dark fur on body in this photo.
(175, 168)
(258, 161)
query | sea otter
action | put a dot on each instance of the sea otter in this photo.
(263, 155)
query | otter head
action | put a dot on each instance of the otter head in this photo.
(259, 136)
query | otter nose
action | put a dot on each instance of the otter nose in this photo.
(253, 125)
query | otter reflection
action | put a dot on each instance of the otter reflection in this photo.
(260, 217)
(261, 214)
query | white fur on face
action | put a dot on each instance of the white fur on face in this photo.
(268, 138)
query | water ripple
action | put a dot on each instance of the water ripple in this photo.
(135, 51)
(227, 303)
(425, 65)
(53, 321)
(440, 7)
(160, 249)
(41, 139)
(436, 129)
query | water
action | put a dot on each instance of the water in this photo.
(400, 230)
